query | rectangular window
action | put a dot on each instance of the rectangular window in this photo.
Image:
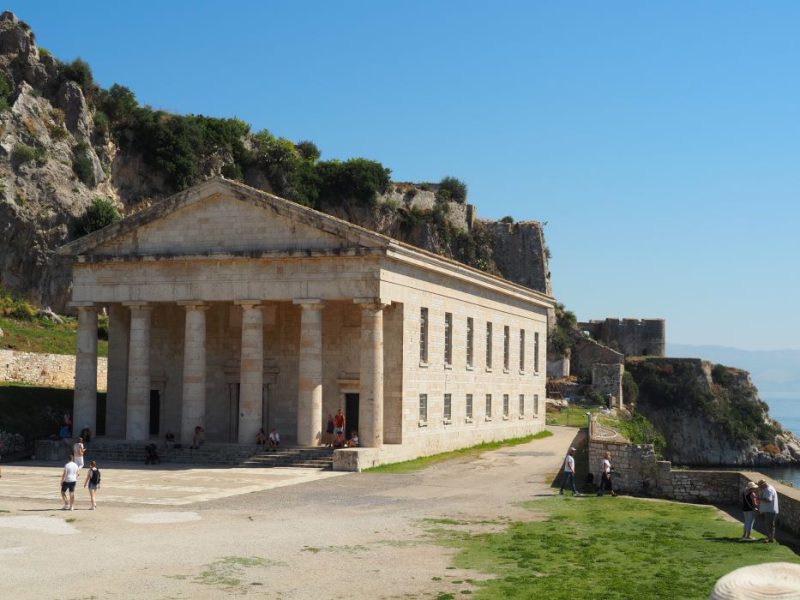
(488, 406)
(448, 338)
(505, 405)
(535, 404)
(469, 406)
(423, 408)
(522, 404)
(536, 352)
(423, 335)
(448, 406)
(506, 341)
(489, 345)
(521, 349)
(469, 341)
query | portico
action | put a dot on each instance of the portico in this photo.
(235, 310)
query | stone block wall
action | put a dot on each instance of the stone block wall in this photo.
(588, 352)
(607, 380)
(633, 337)
(46, 370)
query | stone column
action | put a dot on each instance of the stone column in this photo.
(84, 411)
(118, 341)
(370, 406)
(309, 382)
(193, 404)
(251, 374)
(137, 424)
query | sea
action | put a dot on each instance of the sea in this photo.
(785, 408)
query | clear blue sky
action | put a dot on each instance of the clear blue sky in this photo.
(658, 140)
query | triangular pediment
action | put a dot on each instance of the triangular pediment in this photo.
(223, 217)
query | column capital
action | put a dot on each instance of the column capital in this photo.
(310, 303)
(87, 306)
(143, 306)
(370, 303)
(249, 303)
(193, 304)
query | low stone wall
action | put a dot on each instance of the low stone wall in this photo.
(46, 370)
(638, 471)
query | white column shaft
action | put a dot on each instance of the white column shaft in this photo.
(137, 426)
(84, 412)
(193, 410)
(251, 377)
(370, 417)
(118, 343)
(309, 387)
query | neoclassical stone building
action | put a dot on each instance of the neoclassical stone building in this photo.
(234, 309)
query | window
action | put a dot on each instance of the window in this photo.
(423, 408)
(488, 406)
(535, 404)
(448, 338)
(505, 405)
(423, 335)
(489, 345)
(521, 349)
(536, 352)
(506, 341)
(469, 341)
(521, 404)
(469, 406)
(448, 406)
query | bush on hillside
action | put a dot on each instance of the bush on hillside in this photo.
(82, 164)
(630, 391)
(118, 102)
(100, 213)
(5, 92)
(357, 180)
(79, 72)
(15, 308)
(22, 153)
(453, 189)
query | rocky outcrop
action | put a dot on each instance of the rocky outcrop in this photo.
(709, 414)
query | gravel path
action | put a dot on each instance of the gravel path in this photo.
(355, 536)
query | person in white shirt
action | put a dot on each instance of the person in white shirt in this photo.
(605, 476)
(768, 508)
(569, 472)
(68, 479)
(274, 439)
(78, 450)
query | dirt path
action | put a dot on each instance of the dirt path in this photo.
(354, 536)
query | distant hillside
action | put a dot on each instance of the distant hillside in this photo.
(773, 371)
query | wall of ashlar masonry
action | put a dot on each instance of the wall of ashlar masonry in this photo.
(46, 370)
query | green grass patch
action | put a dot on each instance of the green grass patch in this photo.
(42, 335)
(37, 412)
(609, 548)
(409, 466)
(570, 416)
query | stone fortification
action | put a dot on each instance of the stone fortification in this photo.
(46, 370)
(521, 254)
(587, 352)
(607, 381)
(632, 337)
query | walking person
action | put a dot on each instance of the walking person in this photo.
(329, 432)
(768, 508)
(68, 479)
(78, 450)
(750, 502)
(569, 472)
(93, 480)
(605, 476)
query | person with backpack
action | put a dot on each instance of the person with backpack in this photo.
(93, 481)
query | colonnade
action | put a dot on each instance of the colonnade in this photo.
(130, 382)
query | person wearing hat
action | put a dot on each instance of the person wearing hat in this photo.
(750, 502)
(768, 508)
(569, 472)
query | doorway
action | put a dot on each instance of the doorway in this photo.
(350, 414)
(155, 412)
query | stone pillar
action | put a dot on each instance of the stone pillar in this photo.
(370, 407)
(193, 404)
(137, 424)
(84, 411)
(251, 374)
(309, 386)
(118, 341)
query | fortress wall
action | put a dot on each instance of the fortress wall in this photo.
(46, 370)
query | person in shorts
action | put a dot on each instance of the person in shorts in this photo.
(68, 480)
(78, 450)
(338, 429)
(93, 480)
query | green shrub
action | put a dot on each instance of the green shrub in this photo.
(118, 102)
(453, 189)
(44, 52)
(58, 133)
(356, 180)
(308, 150)
(508, 220)
(100, 213)
(630, 391)
(83, 168)
(102, 125)
(79, 72)
(22, 153)
(14, 307)
(5, 92)
(561, 338)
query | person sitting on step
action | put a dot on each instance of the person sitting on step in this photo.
(274, 439)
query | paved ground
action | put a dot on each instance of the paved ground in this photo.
(275, 533)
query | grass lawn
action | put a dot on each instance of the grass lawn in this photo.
(473, 451)
(624, 548)
(570, 416)
(41, 335)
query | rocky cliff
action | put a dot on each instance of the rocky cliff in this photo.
(709, 414)
(64, 141)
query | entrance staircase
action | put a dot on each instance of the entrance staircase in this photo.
(233, 455)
